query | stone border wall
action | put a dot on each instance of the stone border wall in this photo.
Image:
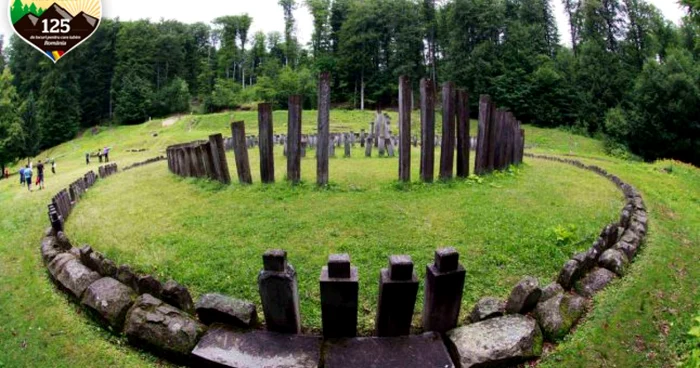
(219, 330)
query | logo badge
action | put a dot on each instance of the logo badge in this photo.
(55, 27)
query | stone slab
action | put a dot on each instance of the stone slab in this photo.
(416, 351)
(223, 346)
(110, 299)
(212, 308)
(503, 341)
(71, 275)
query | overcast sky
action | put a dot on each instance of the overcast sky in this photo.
(267, 14)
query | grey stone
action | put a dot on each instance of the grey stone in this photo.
(615, 261)
(222, 346)
(609, 235)
(94, 261)
(397, 298)
(630, 237)
(127, 277)
(551, 290)
(71, 275)
(587, 259)
(178, 296)
(108, 268)
(487, 308)
(279, 295)
(569, 274)
(559, 314)
(339, 266)
(595, 281)
(85, 252)
(524, 296)
(496, 342)
(49, 251)
(62, 241)
(212, 308)
(153, 324)
(148, 284)
(415, 351)
(275, 260)
(400, 267)
(629, 249)
(110, 300)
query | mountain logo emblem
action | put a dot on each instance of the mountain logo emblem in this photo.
(55, 27)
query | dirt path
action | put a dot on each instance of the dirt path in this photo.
(171, 120)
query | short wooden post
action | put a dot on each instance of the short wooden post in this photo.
(294, 139)
(267, 158)
(398, 288)
(496, 141)
(368, 146)
(220, 163)
(339, 297)
(405, 96)
(240, 152)
(462, 110)
(324, 105)
(427, 121)
(347, 147)
(482, 144)
(279, 293)
(447, 149)
(444, 284)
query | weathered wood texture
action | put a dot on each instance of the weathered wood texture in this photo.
(267, 159)
(405, 97)
(294, 139)
(462, 111)
(447, 148)
(240, 152)
(482, 146)
(427, 121)
(324, 106)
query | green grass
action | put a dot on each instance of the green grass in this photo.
(211, 238)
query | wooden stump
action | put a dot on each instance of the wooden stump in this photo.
(240, 152)
(482, 144)
(427, 121)
(405, 96)
(462, 111)
(267, 159)
(447, 149)
(324, 105)
(294, 139)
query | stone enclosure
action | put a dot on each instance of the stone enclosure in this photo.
(219, 330)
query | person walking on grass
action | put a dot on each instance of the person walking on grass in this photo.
(7, 173)
(28, 177)
(40, 175)
(21, 176)
(53, 166)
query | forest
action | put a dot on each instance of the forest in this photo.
(627, 75)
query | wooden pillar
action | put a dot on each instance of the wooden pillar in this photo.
(495, 141)
(294, 139)
(220, 163)
(447, 148)
(267, 160)
(462, 111)
(324, 106)
(240, 152)
(405, 94)
(485, 111)
(427, 121)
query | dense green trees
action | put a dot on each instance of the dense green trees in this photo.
(11, 134)
(630, 76)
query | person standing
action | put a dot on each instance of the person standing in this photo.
(53, 166)
(99, 154)
(106, 154)
(28, 177)
(87, 158)
(7, 173)
(21, 176)
(40, 175)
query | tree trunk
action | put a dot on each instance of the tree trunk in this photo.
(362, 91)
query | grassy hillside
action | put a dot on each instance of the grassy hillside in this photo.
(211, 237)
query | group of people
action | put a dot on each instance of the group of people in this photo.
(101, 152)
(27, 172)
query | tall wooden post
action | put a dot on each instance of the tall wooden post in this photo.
(220, 163)
(267, 160)
(405, 94)
(447, 148)
(427, 121)
(324, 106)
(294, 139)
(240, 152)
(485, 111)
(462, 133)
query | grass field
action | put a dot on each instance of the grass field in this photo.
(211, 238)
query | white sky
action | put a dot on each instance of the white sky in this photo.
(267, 14)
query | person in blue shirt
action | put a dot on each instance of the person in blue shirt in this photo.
(28, 177)
(21, 176)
